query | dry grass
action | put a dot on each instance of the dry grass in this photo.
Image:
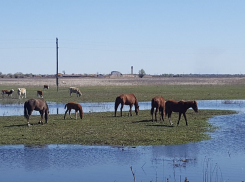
(66, 82)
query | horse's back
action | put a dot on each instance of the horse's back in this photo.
(172, 105)
(73, 105)
(36, 104)
(130, 99)
(158, 102)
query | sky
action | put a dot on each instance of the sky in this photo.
(100, 36)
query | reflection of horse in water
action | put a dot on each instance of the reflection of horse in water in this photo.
(127, 99)
(159, 104)
(37, 105)
(76, 107)
(180, 107)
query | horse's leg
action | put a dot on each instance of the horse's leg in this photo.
(46, 116)
(70, 113)
(65, 114)
(185, 119)
(152, 111)
(121, 108)
(29, 114)
(41, 113)
(169, 118)
(76, 114)
(179, 118)
(157, 110)
(162, 113)
(116, 106)
(130, 110)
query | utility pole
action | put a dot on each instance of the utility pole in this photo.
(57, 81)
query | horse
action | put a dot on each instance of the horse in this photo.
(159, 104)
(76, 107)
(37, 105)
(181, 107)
(127, 99)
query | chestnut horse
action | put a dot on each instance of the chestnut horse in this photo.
(127, 99)
(181, 107)
(159, 104)
(37, 105)
(76, 107)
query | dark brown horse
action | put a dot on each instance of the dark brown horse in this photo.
(180, 107)
(76, 107)
(37, 105)
(159, 104)
(127, 99)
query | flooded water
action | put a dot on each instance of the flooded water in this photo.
(219, 159)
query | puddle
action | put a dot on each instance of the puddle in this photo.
(56, 108)
(219, 159)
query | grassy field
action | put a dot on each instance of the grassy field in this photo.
(105, 129)
(143, 93)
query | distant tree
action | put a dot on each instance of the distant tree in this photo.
(141, 73)
(64, 72)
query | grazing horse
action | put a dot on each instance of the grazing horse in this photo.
(181, 107)
(127, 99)
(37, 105)
(76, 107)
(159, 104)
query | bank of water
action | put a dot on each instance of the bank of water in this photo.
(219, 159)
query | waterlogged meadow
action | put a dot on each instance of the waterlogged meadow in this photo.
(105, 129)
(134, 148)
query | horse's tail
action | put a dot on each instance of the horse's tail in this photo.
(80, 111)
(65, 106)
(166, 109)
(26, 111)
(117, 102)
(152, 106)
(46, 113)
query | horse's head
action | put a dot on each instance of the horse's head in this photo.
(194, 106)
(136, 109)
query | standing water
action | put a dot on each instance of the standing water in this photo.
(219, 159)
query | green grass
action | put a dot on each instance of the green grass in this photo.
(143, 93)
(105, 129)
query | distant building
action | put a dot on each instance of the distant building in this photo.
(117, 73)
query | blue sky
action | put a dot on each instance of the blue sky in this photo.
(100, 36)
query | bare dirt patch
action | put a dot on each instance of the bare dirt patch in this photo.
(65, 82)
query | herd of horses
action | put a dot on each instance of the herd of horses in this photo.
(157, 103)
